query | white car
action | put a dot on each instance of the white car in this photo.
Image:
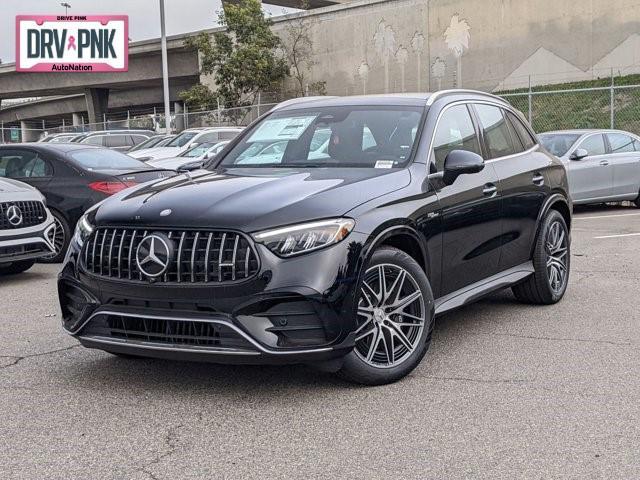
(27, 227)
(186, 140)
(193, 157)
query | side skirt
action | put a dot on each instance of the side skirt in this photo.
(475, 291)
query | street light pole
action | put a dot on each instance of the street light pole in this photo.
(165, 69)
(66, 6)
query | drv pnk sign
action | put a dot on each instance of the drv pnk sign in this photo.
(61, 43)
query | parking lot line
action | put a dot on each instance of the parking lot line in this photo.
(619, 236)
(607, 216)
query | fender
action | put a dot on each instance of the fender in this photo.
(390, 232)
(549, 202)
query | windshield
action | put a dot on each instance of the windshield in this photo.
(182, 139)
(147, 143)
(371, 137)
(558, 143)
(105, 159)
(198, 150)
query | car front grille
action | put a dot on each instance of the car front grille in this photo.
(33, 213)
(199, 256)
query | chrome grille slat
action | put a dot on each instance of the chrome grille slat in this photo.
(200, 256)
(179, 260)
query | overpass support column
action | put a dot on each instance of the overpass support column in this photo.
(179, 113)
(97, 104)
(27, 134)
(76, 119)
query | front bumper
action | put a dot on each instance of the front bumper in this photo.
(26, 244)
(295, 310)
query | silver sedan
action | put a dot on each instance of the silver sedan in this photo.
(602, 165)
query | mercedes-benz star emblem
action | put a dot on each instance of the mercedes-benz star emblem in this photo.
(14, 215)
(154, 254)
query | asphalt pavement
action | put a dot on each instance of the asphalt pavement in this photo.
(506, 391)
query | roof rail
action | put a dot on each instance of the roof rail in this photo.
(295, 101)
(453, 91)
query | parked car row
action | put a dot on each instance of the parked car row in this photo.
(72, 177)
(602, 165)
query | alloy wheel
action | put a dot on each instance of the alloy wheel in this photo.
(56, 237)
(391, 316)
(557, 250)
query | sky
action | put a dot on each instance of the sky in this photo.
(144, 16)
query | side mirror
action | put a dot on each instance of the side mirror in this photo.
(579, 154)
(461, 162)
(189, 167)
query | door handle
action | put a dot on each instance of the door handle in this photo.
(604, 162)
(489, 190)
(538, 180)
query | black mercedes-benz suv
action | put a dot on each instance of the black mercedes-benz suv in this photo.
(332, 231)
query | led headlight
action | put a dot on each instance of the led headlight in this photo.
(305, 237)
(84, 228)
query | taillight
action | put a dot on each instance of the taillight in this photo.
(109, 188)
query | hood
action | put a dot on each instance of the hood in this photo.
(249, 199)
(8, 185)
(157, 153)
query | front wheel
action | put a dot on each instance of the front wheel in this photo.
(59, 236)
(394, 320)
(551, 261)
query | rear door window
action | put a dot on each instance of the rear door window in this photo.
(620, 143)
(114, 141)
(94, 140)
(23, 164)
(496, 131)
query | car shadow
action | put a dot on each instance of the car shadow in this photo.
(178, 378)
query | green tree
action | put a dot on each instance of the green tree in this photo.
(242, 58)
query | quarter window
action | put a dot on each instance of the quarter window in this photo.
(496, 131)
(594, 145)
(523, 132)
(455, 131)
(620, 143)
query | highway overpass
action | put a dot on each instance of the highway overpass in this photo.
(67, 93)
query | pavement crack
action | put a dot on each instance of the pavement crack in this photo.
(476, 380)
(16, 359)
(171, 443)
(560, 339)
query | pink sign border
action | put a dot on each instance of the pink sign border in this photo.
(97, 67)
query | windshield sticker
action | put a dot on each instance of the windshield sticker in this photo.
(384, 164)
(282, 129)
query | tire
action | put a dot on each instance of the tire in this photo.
(402, 333)
(551, 261)
(637, 201)
(16, 267)
(61, 239)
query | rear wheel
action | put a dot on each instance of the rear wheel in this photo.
(16, 267)
(394, 320)
(637, 201)
(59, 238)
(551, 260)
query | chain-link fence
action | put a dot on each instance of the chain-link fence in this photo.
(547, 108)
(598, 107)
